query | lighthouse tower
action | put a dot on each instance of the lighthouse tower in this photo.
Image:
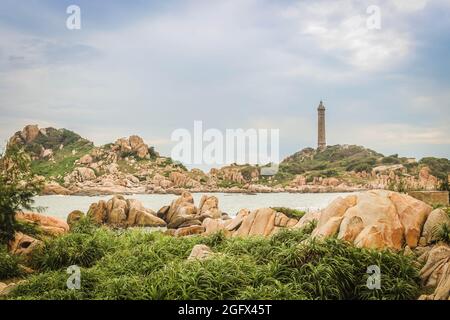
(321, 144)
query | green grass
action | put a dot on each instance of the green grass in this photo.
(291, 213)
(135, 264)
(9, 265)
(64, 161)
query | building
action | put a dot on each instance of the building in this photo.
(321, 144)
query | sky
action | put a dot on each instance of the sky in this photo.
(151, 67)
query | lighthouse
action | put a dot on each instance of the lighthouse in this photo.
(321, 143)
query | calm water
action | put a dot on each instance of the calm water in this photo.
(61, 206)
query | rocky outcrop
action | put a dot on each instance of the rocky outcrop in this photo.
(121, 212)
(374, 219)
(134, 144)
(181, 210)
(436, 218)
(209, 207)
(436, 272)
(54, 188)
(50, 226)
(80, 174)
(263, 222)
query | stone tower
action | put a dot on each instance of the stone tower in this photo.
(321, 128)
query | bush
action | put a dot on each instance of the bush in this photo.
(291, 213)
(135, 264)
(9, 265)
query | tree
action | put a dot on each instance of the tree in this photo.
(18, 186)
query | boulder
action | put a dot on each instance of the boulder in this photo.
(374, 219)
(181, 210)
(98, 212)
(435, 219)
(436, 271)
(74, 217)
(187, 231)
(49, 225)
(122, 212)
(200, 252)
(215, 225)
(54, 188)
(258, 222)
(209, 207)
(23, 245)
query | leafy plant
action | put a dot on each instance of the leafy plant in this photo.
(17, 188)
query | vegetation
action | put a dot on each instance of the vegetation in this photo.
(135, 264)
(17, 188)
(64, 160)
(442, 233)
(291, 213)
(9, 264)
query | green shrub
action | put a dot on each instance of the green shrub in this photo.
(9, 265)
(291, 213)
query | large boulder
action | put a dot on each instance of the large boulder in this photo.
(54, 188)
(122, 212)
(436, 271)
(263, 222)
(181, 210)
(374, 219)
(209, 207)
(134, 144)
(436, 218)
(50, 226)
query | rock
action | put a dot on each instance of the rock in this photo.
(49, 225)
(215, 225)
(29, 133)
(162, 213)
(74, 217)
(435, 219)
(86, 159)
(122, 212)
(133, 144)
(187, 231)
(181, 210)
(80, 174)
(374, 219)
(3, 286)
(23, 245)
(258, 222)
(54, 188)
(237, 221)
(436, 271)
(200, 252)
(98, 212)
(188, 223)
(209, 207)
(117, 211)
(308, 218)
(408, 252)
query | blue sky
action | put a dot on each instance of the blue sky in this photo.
(150, 67)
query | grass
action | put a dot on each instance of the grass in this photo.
(9, 265)
(136, 264)
(64, 161)
(291, 213)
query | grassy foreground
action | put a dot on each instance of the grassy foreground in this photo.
(135, 264)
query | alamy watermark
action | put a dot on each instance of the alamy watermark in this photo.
(214, 147)
(374, 280)
(73, 21)
(74, 280)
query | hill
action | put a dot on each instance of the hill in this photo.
(71, 164)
